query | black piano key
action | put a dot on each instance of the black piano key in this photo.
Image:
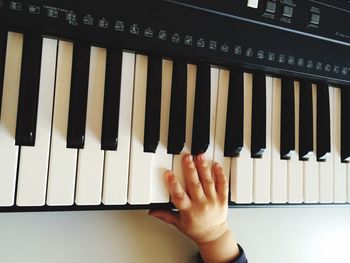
(3, 45)
(153, 104)
(258, 139)
(345, 124)
(323, 138)
(177, 119)
(29, 90)
(201, 117)
(110, 123)
(234, 117)
(305, 120)
(78, 96)
(287, 119)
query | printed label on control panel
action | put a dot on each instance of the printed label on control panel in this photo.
(228, 48)
(34, 9)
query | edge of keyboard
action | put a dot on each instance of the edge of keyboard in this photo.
(165, 206)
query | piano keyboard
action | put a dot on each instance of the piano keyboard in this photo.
(278, 139)
(85, 125)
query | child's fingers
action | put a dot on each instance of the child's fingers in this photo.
(193, 184)
(178, 195)
(221, 182)
(205, 176)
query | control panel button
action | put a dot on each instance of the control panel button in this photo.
(288, 11)
(270, 7)
(315, 19)
(253, 3)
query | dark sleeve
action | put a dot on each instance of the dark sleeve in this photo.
(241, 258)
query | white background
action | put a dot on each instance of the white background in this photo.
(271, 235)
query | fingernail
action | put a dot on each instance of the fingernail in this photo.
(189, 158)
(201, 157)
(217, 166)
(168, 176)
(168, 173)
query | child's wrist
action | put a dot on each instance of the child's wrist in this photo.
(214, 235)
(222, 249)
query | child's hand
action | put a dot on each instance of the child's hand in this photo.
(202, 208)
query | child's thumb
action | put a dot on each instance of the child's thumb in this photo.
(168, 217)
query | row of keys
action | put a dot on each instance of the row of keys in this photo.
(287, 176)
(107, 124)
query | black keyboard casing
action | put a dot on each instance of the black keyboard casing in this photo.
(225, 33)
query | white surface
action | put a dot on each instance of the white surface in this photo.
(242, 166)
(325, 168)
(311, 166)
(91, 157)
(162, 161)
(214, 87)
(294, 166)
(339, 169)
(8, 116)
(33, 163)
(278, 166)
(140, 177)
(116, 169)
(191, 88)
(269, 235)
(262, 166)
(63, 160)
(220, 128)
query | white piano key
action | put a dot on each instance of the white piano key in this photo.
(262, 167)
(91, 158)
(214, 86)
(325, 168)
(162, 161)
(278, 166)
(311, 178)
(62, 166)
(140, 177)
(340, 175)
(191, 88)
(221, 112)
(33, 163)
(8, 149)
(348, 182)
(242, 166)
(294, 165)
(116, 169)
